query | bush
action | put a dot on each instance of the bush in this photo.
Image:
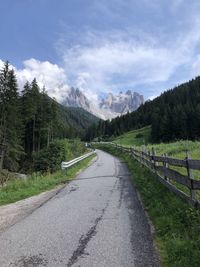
(139, 135)
(49, 159)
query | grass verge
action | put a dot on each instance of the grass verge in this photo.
(177, 225)
(37, 183)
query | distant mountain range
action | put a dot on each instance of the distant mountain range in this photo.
(107, 108)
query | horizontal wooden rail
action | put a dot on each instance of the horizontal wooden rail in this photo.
(174, 175)
(171, 161)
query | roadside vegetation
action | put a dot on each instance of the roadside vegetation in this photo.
(175, 149)
(47, 171)
(50, 158)
(36, 183)
(177, 225)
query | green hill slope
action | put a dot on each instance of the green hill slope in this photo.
(135, 138)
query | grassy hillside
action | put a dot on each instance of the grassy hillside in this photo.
(135, 138)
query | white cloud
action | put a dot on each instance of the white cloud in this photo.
(1, 64)
(119, 59)
(49, 75)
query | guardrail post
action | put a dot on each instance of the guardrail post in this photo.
(190, 175)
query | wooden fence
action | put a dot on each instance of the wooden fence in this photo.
(163, 167)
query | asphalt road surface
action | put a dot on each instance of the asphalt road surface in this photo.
(96, 220)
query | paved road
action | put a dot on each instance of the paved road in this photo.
(95, 221)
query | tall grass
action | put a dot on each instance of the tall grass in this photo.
(176, 149)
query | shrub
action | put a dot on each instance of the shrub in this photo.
(49, 159)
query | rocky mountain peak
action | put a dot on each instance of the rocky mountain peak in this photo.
(75, 98)
(128, 92)
(109, 107)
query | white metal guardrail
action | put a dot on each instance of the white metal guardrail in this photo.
(65, 165)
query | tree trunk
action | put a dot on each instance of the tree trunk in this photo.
(48, 136)
(2, 155)
(33, 150)
(3, 143)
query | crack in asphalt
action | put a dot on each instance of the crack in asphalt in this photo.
(32, 261)
(121, 188)
(84, 240)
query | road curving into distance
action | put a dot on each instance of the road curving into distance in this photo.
(97, 220)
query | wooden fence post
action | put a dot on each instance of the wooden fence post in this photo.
(166, 166)
(145, 157)
(142, 150)
(149, 159)
(153, 161)
(142, 155)
(190, 175)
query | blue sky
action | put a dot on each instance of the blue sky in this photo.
(102, 46)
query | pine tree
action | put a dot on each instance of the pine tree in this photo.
(10, 126)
